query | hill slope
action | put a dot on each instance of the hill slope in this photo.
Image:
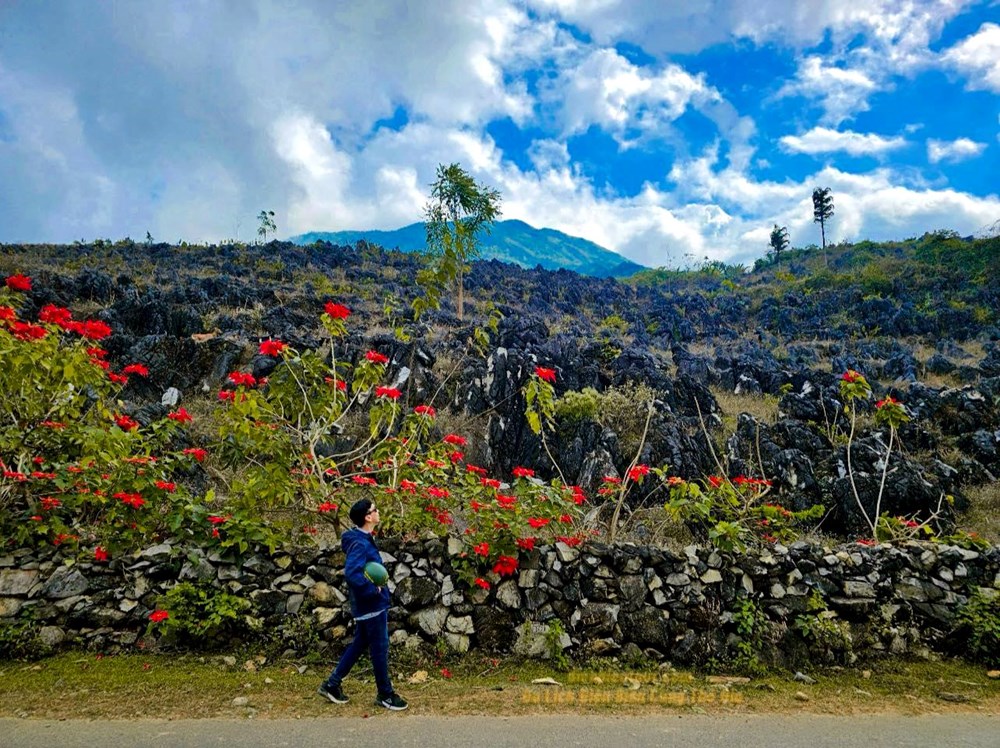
(511, 241)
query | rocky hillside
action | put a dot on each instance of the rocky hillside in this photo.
(742, 369)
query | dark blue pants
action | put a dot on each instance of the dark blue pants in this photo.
(372, 635)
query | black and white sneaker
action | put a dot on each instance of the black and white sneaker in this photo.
(333, 693)
(392, 701)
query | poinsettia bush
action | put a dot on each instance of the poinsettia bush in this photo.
(78, 471)
(294, 451)
(322, 432)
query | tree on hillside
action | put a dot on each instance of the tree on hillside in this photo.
(779, 241)
(822, 211)
(266, 220)
(458, 210)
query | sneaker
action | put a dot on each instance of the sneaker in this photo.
(392, 701)
(333, 693)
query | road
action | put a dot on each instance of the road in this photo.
(386, 730)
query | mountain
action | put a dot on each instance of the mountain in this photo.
(510, 241)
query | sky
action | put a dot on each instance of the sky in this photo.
(670, 131)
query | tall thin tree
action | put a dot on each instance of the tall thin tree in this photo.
(822, 211)
(459, 209)
(779, 241)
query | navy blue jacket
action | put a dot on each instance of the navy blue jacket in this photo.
(365, 596)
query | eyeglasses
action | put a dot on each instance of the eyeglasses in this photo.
(373, 510)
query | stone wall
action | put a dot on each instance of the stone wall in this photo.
(810, 602)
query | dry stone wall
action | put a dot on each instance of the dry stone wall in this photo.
(811, 602)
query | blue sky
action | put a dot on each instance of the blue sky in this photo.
(669, 131)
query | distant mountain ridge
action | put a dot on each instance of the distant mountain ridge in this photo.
(510, 241)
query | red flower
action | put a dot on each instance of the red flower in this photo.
(7, 314)
(506, 501)
(180, 415)
(455, 439)
(225, 395)
(197, 452)
(388, 392)
(476, 506)
(408, 486)
(445, 518)
(92, 329)
(53, 425)
(865, 541)
(889, 400)
(15, 475)
(525, 544)
(445, 671)
(456, 456)
(638, 472)
(483, 549)
(118, 378)
(487, 482)
(167, 486)
(425, 410)
(505, 566)
(438, 493)
(100, 554)
(27, 331)
(336, 311)
(434, 464)
(376, 358)
(63, 537)
(714, 481)
(49, 503)
(523, 472)
(578, 497)
(850, 376)
(18, 282)
(55, 315)
(159, 615)
(326, 506)
(566, 519)
(139, 369)
(364, 480)
(35, 518)
(217, 520)
(549, 375)
(272, 347)
(133, 500)
(125, 423)
(611, 480)
(538, 522)
(480, 582)
(240, 378)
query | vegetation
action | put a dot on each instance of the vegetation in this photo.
(822, 210)
(779, 242)
(459, 209)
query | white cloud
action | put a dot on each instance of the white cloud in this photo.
(842, 92)
(978, 57)
(825, 140)
(624, 99)
(953, 150)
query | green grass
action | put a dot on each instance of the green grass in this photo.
(88, 686)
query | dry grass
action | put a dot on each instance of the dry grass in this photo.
(983, 515)
(84, 686)
(762, 407)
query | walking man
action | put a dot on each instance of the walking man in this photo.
(370, 608)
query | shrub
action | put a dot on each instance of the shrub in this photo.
(978, 626)
(200, 615)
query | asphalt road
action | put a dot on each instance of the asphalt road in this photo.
(386, 730)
